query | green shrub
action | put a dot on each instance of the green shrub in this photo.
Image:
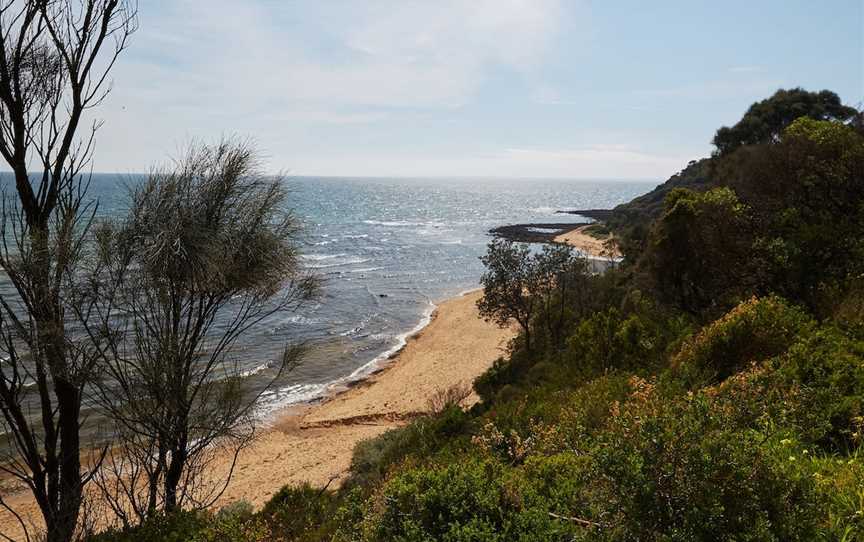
(676, 470)
(178, 527)
(298, 513)
(754, 331)
(472, 500)
(828, 366)
(612, 340)
(373, 458)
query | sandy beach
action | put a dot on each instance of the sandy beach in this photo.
(589, 244)
(314, 443)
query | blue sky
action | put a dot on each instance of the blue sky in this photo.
(498, 88)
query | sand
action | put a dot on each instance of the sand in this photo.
(592, 246)
(314, 444)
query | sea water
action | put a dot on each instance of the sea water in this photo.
(387, 251)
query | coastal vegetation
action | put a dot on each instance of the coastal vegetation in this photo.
(711, 387)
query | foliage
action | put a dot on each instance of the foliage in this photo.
(373, 459)
(828, 366)
(209, 237)
(764, 121)
(754, 331)
(519, 285)
(807, 191)
(180, 526)
(472, 500)
(698, 251)
(678, 470)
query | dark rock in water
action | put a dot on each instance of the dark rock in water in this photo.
(383, 295)
(535, 233)
(596, 214)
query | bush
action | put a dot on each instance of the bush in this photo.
(373, 458)
(181, 526)
(473, 500)
(677, 470)
(298, 512)
(754, 331)
(613, 340)
(828, 367)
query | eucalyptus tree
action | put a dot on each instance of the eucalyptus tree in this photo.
(207, 250)
(55, 59)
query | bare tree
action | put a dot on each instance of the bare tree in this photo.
(206, 251)
(55, 57)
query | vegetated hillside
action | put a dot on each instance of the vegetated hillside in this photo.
(712, 388)
(645, 208)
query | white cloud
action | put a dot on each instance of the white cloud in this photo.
(599, 161)
(198, 67)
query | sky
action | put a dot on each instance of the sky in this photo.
(609, 89)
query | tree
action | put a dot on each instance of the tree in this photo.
(550, 285)
(559, 280)
(807, 195)
(698, 257)
(206, 251)
(55, 57)
(765, 121)
(507, 284)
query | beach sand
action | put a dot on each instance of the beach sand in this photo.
(314, 443)
(589, 244)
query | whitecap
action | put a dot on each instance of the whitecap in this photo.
(348, 261)
(320, 257)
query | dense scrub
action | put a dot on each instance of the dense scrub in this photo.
(712, 388)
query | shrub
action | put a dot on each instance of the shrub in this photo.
(755, 330)
(298, 512)
(180, 526)
(676, 470)
(373, 458)
(473, 500)
(828, 366)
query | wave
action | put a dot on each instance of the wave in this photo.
(365, 269)
(349, 261)
(405, 223)
(401, 340)
(544, 210)
(255, 370)
(392, 223)
(273, 401)
(320, 257)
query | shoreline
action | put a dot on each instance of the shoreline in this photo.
(314, 442)
(591, 246)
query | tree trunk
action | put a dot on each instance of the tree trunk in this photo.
(63, 463)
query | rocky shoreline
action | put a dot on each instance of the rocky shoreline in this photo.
(535, 233)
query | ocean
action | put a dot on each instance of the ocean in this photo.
(387, 250)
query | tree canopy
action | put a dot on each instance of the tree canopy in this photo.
(765, 120)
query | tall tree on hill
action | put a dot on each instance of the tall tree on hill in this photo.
(55, 57)
(765, 120)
